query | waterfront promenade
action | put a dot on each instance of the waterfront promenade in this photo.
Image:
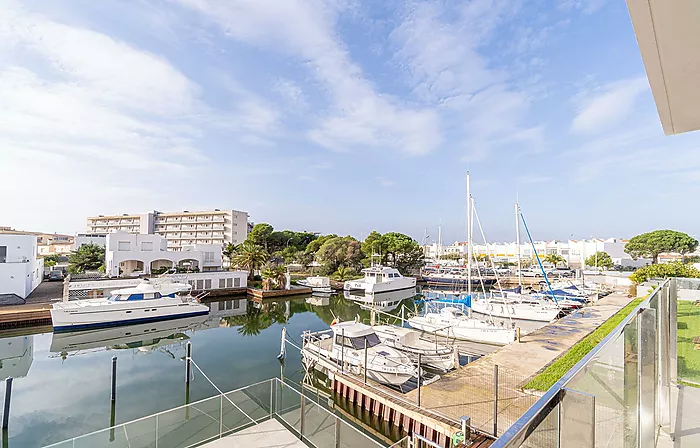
(469, 391)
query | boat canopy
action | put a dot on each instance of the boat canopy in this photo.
(352, 329)
(145, 291)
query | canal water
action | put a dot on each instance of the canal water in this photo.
(62, 382)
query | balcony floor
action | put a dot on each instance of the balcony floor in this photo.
(270, 433)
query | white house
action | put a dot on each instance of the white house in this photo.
(20, 269)
(573, 251)
(129, 254)
(81, 239)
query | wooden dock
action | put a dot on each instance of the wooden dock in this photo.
(28, 315)
(275, 293)
(469, 390)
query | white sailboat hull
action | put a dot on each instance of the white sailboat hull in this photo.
(458, 330)
(516, 310)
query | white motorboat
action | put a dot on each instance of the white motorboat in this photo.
(380, 279)
(440, 357)
(345, 344)
(142, 304)
(525, 309)
(317, 284)
(453, 323)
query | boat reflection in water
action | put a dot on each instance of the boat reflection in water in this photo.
(384, 301)
(144, 337)
(16, 356)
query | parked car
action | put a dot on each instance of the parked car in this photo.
(55, 276)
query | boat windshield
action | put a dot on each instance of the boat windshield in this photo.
(359, 343)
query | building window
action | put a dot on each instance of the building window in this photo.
(3, 254)
(222, 283)
(229, 282)
(236, 282)
(124, 246)
(236, 304)
(200, 284)
(207, 283)
(147, 246)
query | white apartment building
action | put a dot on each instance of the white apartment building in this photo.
(180, 228)
(98, 239)
(574, 252)
(20, 269)
(129, 254)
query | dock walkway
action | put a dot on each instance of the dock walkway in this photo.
(469, 390)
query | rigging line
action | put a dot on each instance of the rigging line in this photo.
(493, 266)
(223, 394)
(534, 249)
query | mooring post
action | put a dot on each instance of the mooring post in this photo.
(113, 395)
(112, 419)
(495, 400)
(517, 334)
(342, 351)
(6, 409)
(365, 365)
(419, 375)
(188, 362)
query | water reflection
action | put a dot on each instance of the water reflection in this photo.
(16, 356)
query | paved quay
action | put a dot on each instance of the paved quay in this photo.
(469, 390)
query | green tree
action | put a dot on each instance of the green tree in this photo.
(664, 270)
(260, 235)
(51, 260)
(250, 256)
(342, 274)
(88, 257)
(482, 257)
(277, 276)
(403, 252)
(375, 244)
(339, 251)
(451, 256)
(554, 259)
(230, 251)
(315, 245)
(601, 260)
(652, 244)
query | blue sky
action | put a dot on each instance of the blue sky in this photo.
(338, 116)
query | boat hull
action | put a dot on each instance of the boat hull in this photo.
(80, 316)
(373, 288)
(495, 336)
(515, 311)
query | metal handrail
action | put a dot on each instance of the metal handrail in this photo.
(162, 412)
(528, 422)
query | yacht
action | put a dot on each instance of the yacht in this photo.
(380, 279)
(408, 341)
(317, 284)
(452, 322)
(141, 304)
(345, 343)
(523, 308)
(457, 276)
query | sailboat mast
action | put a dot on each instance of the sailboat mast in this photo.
(439, 248)
(517, 242)
(469, 237)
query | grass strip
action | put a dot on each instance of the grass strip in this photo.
(565, 362)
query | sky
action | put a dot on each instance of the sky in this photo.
(338, 116)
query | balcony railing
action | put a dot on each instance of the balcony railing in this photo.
(623, 393)
(213, 418)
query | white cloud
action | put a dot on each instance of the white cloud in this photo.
(292, 93)
(440, 48)
(357, 116)
(609, 107)
(108, 123)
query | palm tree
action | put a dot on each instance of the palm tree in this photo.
(250, 257)
(342, 273)
(229, 252)
(554, 259)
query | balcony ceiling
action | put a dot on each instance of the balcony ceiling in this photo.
(668, 34)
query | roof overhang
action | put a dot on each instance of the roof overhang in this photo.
(668, 34)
